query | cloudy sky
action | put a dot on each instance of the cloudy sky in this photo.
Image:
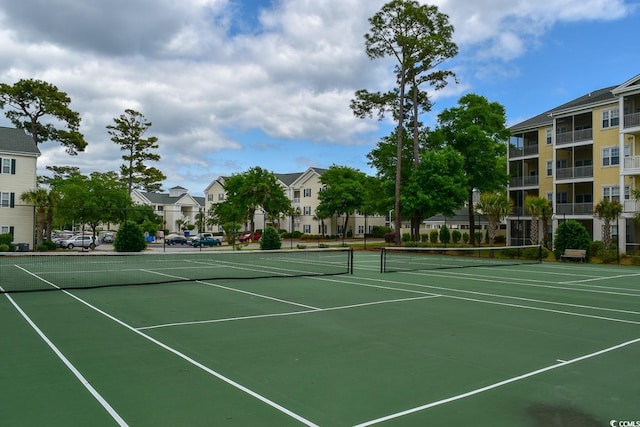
(232, 84)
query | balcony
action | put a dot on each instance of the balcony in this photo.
(524, 181)
(574, 173)
(575, 136)
(631, 120)
(529, 150)
(631, 165)
(632, 206)
(574, 208)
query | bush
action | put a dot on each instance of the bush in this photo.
(596, 247)
(270, 239)
(4, 247)
(389, 237)
(465, 237)
(130, 238)
(406, 237)
(608, 256)
(6, 239)
(433, 236)
(47, 245)
(380, 232)
(500, 239)
(571, 235)
(445, 234)
(456, 236)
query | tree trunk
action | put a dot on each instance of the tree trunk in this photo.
(472, 222)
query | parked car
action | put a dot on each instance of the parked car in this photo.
(206, 241)
(249, 237)
(175, 239)
(59, 238)
(85, 241)
(108, 238)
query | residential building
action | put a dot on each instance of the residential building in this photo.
(302, 188)
(575, 155)
(177, 208)
(18, 157)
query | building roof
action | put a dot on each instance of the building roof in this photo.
(17, 141)
(461, 215)
(600, 96)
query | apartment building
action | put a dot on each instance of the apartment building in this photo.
(18, 157)
(177, 207)
(575, 155)
(302, 188)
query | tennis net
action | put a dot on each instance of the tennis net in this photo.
(36, 272)
(393, 259)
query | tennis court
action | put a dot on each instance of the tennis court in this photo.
(551, 344)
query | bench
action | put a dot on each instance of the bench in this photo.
(580, 254)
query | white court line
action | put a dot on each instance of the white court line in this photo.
(291, 313)
(186, 358)
(599, 278)
(496, 385)
(112, 412)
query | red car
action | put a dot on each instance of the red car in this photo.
(249, 237)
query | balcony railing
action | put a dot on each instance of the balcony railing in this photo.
(529, 150)
(632, 162)
(574, 208)
(524, 181)
(575, 136)
(632, 206)
(631, 120)
(577, 172)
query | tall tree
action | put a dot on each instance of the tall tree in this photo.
(128, 132)
(495, 206)
(31, 101)
(476, 129)
(607, 210)
(418, 37)
(344, 192)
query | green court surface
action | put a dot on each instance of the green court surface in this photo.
(551, 344)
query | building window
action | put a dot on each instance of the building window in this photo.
(210, 197)
(7, 200)
(549, 136)
(307, 192)
(221, 197)
(549, 167)
(610, 156)
(611, 192)
(550, 197)
(306, 229)
(8, 166)
(307, 210)
(610, 118)
(361, 229)
(4, 229)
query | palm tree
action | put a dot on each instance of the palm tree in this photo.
(495, 206)
(607, 210)
(39, 198)
(636, 196)
(539, 208)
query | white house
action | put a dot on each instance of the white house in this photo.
(18, 157)
(177, 207)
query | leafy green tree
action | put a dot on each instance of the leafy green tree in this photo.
(270, 239)
(436, 186)
(539, 208)
(92, 200)
(128, 132)
(32, 100)
(343, 194)
(418, 38)
(495, 206)
(571, 235)
(249, 191)
(607, 210)
(476, 129)
(130, 238)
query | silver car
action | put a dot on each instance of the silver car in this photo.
(80, 241)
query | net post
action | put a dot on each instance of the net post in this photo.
(350, 260)
(539, 254)
(382, 254)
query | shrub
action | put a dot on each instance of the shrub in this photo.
(596, 247)
(445, 234)
(380, 232)
(433, 236)
(270, 239)
(406, 237)
(571, 235)
(389, 237)
(424, 238)
(465, 237)
(130, 238)
(478, 235)
(47, 245)
(609, 256)
(500, 239)
(456, 236)
(4, 247)
(6, 239)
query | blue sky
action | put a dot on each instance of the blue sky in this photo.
(232, 84)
